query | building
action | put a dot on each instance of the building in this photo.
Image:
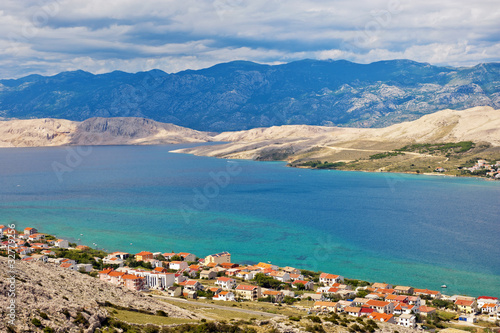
(209, 275)
(218, 258)
(84, 267)
(403, 290)
(174, 291)
(248, 292)
(133, 282)
(325, 306)
(490, 308)
(280, 276)
(226, 282)
(30, 231)
(426, 310)
(466, 306)
(61, 243)
(189, 257)
(178, 265)
(308, 285)
(329, 279)
(276, 296)
(143, 255)
(353, 311)
(224, 296)
(481, 300)
(191, 285)
(383, 317)
(426, 292)
(381, 306)
(407, 320)
(377, 285)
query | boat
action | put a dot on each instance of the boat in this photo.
(444, 286)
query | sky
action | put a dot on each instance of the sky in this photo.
(50, 36)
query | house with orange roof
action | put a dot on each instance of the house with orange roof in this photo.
(191, 285)
(490, 308)
(426, 310)
(48, 252)
(309, 285)
(228, 265)
(381, 306)
(27, 259)
(30, 231)
(35, 237)
(82, 247)
(329, 279)
(189, 257)
(143, 255)
(215, 290)
(415, 300)
(466, 306)
(168, 255)
(226, 282)
(160, 270)
(426, 292)
(115, 277)
(224, 296)
(396, 298)
(111, 260)
(402, 308)
(267, 266)
(325, 306)
(481, 300)
(385, 291)
(245, 275)
(68, 265)
(294, 276)
(291, 270)
(133, 282)
(62, 243)
(275, 296)
(248, 292)
(2, 229)
(382, 317)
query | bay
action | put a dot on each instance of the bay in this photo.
(423, 231)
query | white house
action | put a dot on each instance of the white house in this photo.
(406, 320)
(84, 267)
(329, 279)
(224, 296)
(178, 265)
(280, 276)
(226, 282)
(62, 243)
(482, 300)
(112, 260)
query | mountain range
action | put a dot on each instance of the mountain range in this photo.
(243, 95)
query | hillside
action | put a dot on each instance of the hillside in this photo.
(354, 147)
(94, 131)
(243, 95)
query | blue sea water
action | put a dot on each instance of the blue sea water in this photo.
(423, 231)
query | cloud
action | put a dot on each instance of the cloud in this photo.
(51, 36)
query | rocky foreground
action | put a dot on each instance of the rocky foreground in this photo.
(65, 295)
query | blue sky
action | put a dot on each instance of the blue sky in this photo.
(50, 36)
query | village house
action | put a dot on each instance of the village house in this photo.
(226, 282)
(133, 282)
(218, 258)
(174, 291)
(36, 237)
(415, 300)
(291, 270)
(68, 265)
(481, 300)
(402, 308)
(396, 298)
(381, 306)
(224, 296)
(61, 243)
(407, 320)
(208, 274)
(248, 292)
(313, 297)
(86, 268)
(245, 275)
(191, 285)
(308, 285)
(325, 306)
(490, 308)
(263, 265)
(280, 276)
(294, 277)
(378, 285)
(40, 257)
(426, 310)
(81, 247)
(358, 301)
(188, 257)
(382, 317)
(178, 265)
(431, 293)
(466, 306)
(329, 279)
(228, 265)
(111, 260)
(30, 231)
(168, 255)
(143, 255)
(276, 296)
(353, 311)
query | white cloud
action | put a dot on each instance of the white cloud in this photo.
(98, 36)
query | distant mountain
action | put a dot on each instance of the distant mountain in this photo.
(242, 95)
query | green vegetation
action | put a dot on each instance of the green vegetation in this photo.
(36, 322)
(322, 165)
(439, 148)
(267, 281)
(81, 257)
(384, 155)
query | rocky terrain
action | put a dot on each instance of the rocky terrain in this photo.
(243, 95)
(480, 124)
(94, 131)
(64, 295)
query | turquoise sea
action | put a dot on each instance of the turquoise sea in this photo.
(423, 231)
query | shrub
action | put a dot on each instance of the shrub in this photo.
(44, 315)
(36, 322)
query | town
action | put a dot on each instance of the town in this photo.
(216, 277)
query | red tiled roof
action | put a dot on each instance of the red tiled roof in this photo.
(464, 302)
(106, 271)
(245, 287)
(143, 253)
(131, 277)
(377, 303)
(328, 276)
(115, 273)
(224, 279)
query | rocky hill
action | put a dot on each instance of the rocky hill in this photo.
(242, 95)
(71, 301)
(94, 131)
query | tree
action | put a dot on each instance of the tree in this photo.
(176, 258)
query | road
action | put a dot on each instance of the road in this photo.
(222, 307)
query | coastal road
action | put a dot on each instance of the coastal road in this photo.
(222, 307)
